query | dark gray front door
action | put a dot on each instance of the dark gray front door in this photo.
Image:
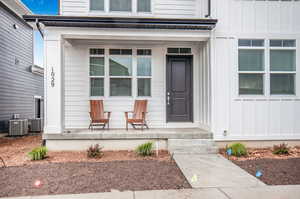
(179, 94)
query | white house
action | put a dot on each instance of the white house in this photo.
(227, 67)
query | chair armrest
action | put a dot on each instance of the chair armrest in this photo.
(126, 114)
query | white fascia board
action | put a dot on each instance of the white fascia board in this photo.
(127, 34)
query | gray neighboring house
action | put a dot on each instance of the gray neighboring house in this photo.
(21, 82)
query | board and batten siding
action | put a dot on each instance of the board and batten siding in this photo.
(252, 117)
(256, 17)
(249, 117)
(160, 9)
(18, 85)
(76, 83)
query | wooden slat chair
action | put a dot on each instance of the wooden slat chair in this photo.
(138, 115)
(97, 114)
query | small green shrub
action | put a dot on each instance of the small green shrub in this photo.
(95, 151)
(281, 149)
(238, 149)
(145, 149)
(38, 153)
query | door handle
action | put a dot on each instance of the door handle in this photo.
(168, 98)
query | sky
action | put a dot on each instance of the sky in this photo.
(45, 7)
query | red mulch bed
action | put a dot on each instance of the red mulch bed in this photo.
(276, 169)
(72, 172)
(14, 151)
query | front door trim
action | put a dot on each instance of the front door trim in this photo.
(189, 60)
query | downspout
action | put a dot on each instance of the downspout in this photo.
(39, 27)
(208, 8)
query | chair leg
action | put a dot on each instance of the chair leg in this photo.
(107, 125)
(133, 125)
(126, 126)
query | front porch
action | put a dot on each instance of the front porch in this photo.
(120, 139)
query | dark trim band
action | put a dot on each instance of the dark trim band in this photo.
(118, 22)
(2, 5)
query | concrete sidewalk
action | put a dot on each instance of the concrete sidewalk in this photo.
(264, 192)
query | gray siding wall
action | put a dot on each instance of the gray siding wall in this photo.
(18, 85)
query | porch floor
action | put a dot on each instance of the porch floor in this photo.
(117, 134)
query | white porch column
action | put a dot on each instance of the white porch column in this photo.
(53, 60)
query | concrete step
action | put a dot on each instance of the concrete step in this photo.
(192, 146)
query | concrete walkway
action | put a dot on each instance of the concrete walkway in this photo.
(214, 171)
(265, 192)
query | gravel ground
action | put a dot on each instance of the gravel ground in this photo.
(88, 177)
(275, 171)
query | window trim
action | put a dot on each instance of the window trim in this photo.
(267, 70)
(144, 77)
(263, 72)
(133, 77)
(143, 12)
(270, 48)
(96, 76)
(94, 10)
(120, 76)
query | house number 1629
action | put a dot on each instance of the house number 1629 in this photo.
(52, 77)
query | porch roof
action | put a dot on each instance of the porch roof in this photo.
(122, 22)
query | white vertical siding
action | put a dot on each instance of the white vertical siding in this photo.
(160, 9)
(249, 16)
(264, 117)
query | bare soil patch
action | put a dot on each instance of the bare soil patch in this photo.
(14, 152)
(276, 169)
(89, 177)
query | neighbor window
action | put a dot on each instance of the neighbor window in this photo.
(120, 5)
(251, 67)
(96, 72)
(282, 67)
(144, 5)
(97, 5)
(281, 71)
(144, 72)
(120, 72)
